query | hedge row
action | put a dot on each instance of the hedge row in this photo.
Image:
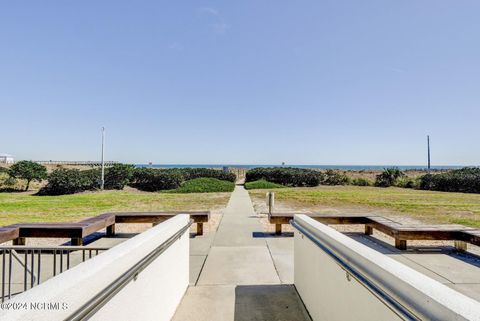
(465, 180)
(205, 185)
(307, 177)
(192, 173)
(286, 176)
(69, 181)
(150, 179)
(118, 176)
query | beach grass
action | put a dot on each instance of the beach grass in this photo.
(25, 207)
(426, 206)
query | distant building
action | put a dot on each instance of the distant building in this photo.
(6, 159)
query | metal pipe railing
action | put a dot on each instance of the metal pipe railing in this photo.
(380, 293)
(32, 265)
(88, 309)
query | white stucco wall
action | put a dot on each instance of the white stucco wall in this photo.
(330, 293)
(154, 295)
(6, 159)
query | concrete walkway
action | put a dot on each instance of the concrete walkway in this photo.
(241, 273)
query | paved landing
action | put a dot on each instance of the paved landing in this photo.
(460, 271)
(239, 273)
(239, 265)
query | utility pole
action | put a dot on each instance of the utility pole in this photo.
(102, 184)
(428, 150)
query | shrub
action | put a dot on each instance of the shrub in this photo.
(119, 175)
(10, 182)
(465, 180)
(262, 184)
(407, 182)
(7, 182)
(427, 182)
(388, 177)
(204, 185)
(149, 179)
(362, 182)
(286, 176)
(28, 171)
(69, 181)
(192, 173)
(332, 177)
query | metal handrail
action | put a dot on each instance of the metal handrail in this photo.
(384, 296)
(54, 248)
(25, 267)
(87, 310)
(30, 260)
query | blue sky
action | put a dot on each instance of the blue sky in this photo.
(253, 82)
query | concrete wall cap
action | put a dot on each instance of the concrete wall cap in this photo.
(424, 295)
(82, 282)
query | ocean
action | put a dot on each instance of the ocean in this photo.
(340, 167)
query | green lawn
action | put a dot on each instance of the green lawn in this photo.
(262, 184)
(24, 207)
(428, 206)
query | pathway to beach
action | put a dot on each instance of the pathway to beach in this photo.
(241, 273)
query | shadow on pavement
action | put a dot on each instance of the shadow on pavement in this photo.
(271, 235)
(269, 303)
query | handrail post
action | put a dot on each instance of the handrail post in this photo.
(270, 202)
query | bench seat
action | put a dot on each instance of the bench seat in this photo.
(158, 217)
(77, 231)
(8, 233)
(401, 233)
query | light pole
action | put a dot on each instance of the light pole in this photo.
(102, 184)
(428, 150)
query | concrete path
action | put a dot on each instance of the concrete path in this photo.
(241, 273)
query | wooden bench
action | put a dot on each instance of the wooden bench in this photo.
(78, 231)
(461, 235)
(284, 218)
(428, 232)
(470, 236)
(158, 217)
(75, 231)
(107, 220)
(8, 233)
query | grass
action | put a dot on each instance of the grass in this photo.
(24, 207)
(428, 206)
(204, 185)
(262, 184)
